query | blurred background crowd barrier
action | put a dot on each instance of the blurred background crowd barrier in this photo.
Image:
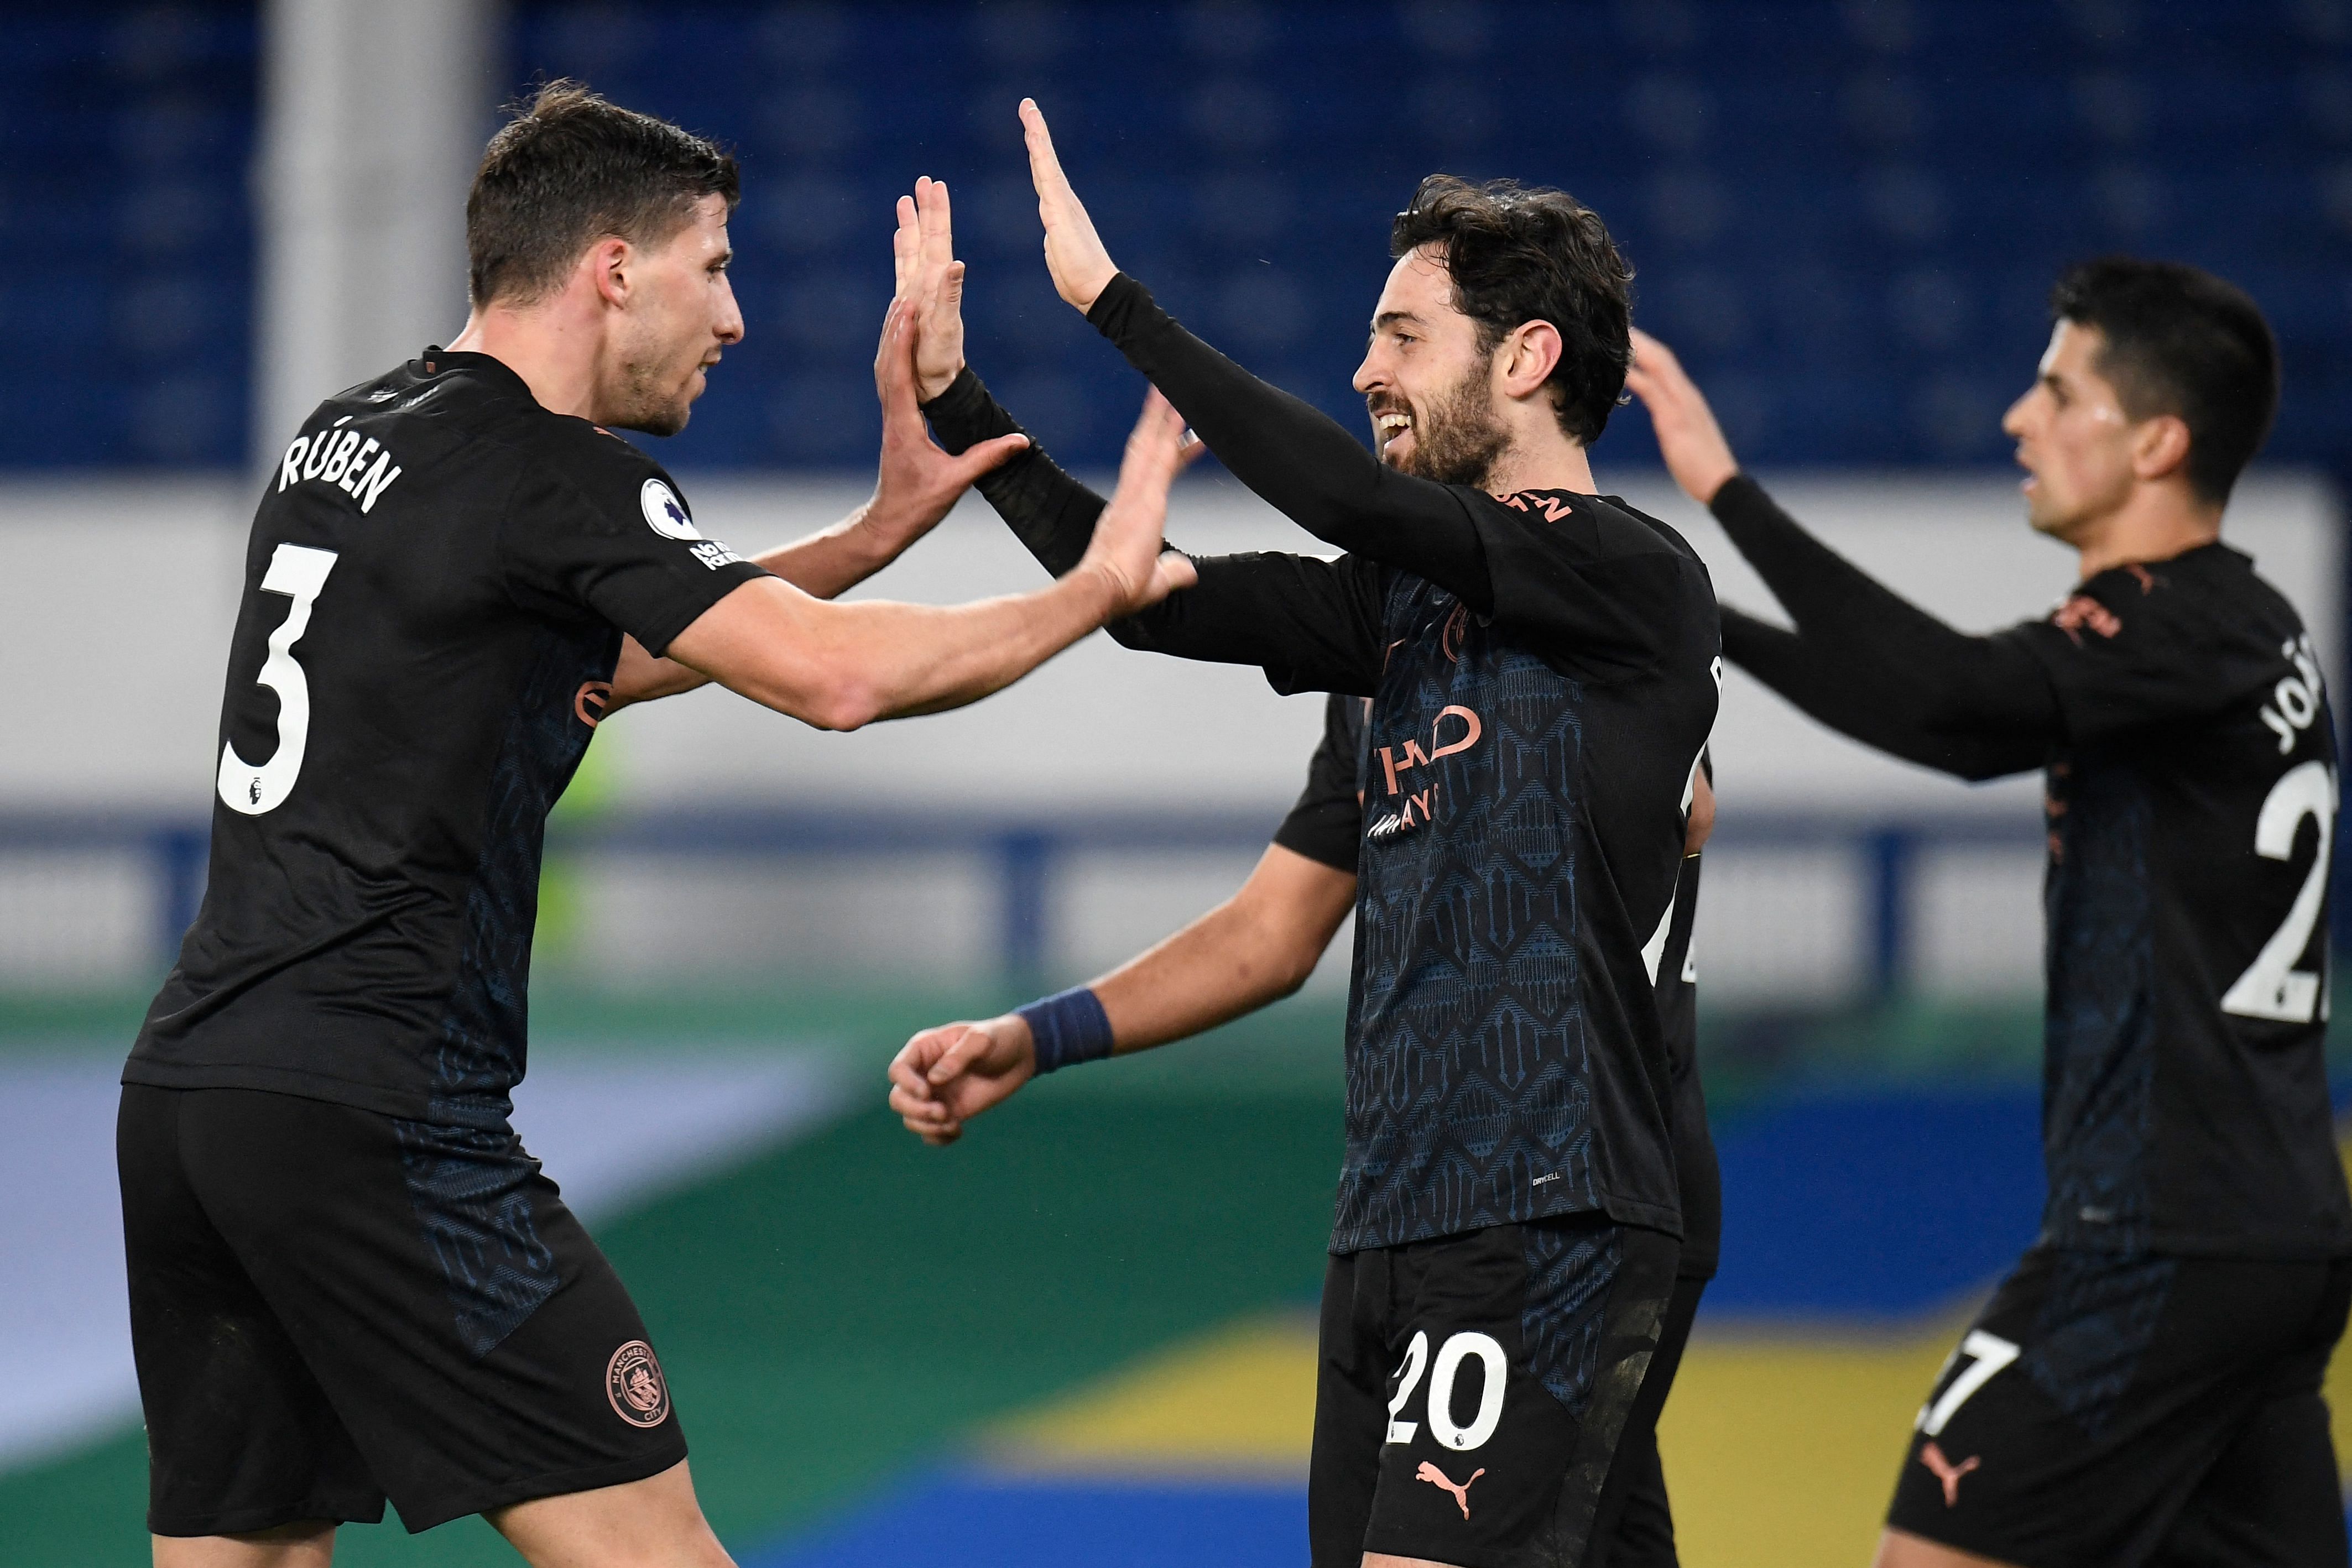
(1845, 214)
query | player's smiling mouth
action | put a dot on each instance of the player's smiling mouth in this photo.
(1390, 425)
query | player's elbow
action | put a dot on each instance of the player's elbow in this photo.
(1290, 958)
(829, 693)
(843, 704)
(1292, 974)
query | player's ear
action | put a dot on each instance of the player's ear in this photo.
(2160, 446)
(1528, 358)
(611, 263)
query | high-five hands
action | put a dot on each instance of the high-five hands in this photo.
(1689, 439)
(1126, 548)
(918, 483)
(1082, 268)
(931, 277)
(945, 1076)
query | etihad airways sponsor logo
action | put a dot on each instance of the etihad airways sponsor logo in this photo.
(1412, 799)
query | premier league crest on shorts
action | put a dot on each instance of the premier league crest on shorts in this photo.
(633, 1381)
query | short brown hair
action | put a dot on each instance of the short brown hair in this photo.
(1519, 253)
(570, 168)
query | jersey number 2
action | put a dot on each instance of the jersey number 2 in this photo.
(253, 788)
(2272, 986)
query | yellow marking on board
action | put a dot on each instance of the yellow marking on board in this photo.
(1240, 1400)
(1781, 1449)
(1780, 1444)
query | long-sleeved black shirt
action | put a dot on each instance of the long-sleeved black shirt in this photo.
(2178, 713)
(1542, 671)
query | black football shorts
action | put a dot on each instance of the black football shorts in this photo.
(1634, 1524)
(2111, 1409)
(330, 1307)
(1472, 1390)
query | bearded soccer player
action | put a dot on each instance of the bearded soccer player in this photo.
(2145, 1386)
(1539, 661)
(347, 1281)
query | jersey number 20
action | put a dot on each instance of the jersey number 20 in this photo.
(2272, 986)
(1456, 1349)
(253, 788)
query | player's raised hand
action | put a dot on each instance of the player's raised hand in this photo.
(945, 1076)
(930, 275)
(1688, 437)
(1082, 268)
(918, 483)
(1127, 547)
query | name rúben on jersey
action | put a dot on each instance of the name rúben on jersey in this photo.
(362, 468)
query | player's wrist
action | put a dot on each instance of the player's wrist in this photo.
(1107, 591)
(878, 530)
(932, 386)
(1066, 1027)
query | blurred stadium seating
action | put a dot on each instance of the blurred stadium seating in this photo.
(1077, 1337)
(1848, 207)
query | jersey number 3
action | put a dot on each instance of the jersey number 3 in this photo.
(2272, 986)
(253, 788)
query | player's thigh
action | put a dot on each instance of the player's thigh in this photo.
(2274, 1498)
(2090, 1400)
(477, 1345)
(240, 1436)
(1355, 1349)
(654, 1522)
(1633, 1525)
(1524, 1350)
(310, 1544)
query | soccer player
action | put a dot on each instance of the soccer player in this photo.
(1260, 945)
(348, 1279)
(2146, 1385)
(1540, 664)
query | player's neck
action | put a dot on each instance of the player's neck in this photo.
(1545, 461)
(555, 355)
(2153, 524)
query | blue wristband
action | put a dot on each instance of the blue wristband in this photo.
(1068, 1027)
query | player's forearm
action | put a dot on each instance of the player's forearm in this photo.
(1256, 949)
(1245, 609)
(1052, 514)
(900, 660)
(1288, 450)
(834, 559)
(843, 666)
(1830, 599)
(1861, 635)
(1878, 706)
(821, 565)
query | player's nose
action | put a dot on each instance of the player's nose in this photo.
(2013, 422)
(730, 326)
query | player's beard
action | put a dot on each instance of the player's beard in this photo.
(652, 399)
(1456, 438)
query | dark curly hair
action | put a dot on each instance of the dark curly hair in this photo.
(1519, 253)
(2181, 341)
(569, 169)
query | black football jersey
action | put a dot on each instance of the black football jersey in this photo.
(1531, 732)
(435, 589)
(1326, 825)
(2191, 817)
